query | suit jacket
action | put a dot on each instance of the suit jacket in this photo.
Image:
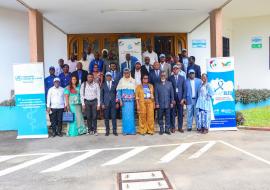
(84, 75)
(143, 72)
(167, 69)
(117, 76)
(107, 95)
(196, 68)
(164, 95)
(132, 63)
(144, 67)
(180, 86)
(198, 83)
(153, 78)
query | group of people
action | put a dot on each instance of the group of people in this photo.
(152, 89)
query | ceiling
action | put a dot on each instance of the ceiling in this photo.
(113, 16)
(247, 8)
(123, 16)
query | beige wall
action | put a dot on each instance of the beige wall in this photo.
(251, 65)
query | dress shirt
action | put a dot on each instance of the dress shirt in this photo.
(72, 66)
(90, 57)
(185, 63)
(92, 91)
(65, 79)
(109, 83)
(153, 56)
(182, 73)
(192, 83)
(162, 66)
(58, 70)
(85, 64)
(55, 98)
(138, 77)
(147, 68)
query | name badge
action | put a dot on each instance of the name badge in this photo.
(176, 90)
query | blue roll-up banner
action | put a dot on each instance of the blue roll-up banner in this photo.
(30, 100)
(220, 73)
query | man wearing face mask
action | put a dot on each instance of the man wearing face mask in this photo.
(164, 99)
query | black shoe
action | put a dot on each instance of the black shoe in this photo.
(172, 130)
(60, 134)
(54, 135)
(189, 130)
(181, 130)
(161, 132)
(107, 134)
(168, 132)
(115, 134)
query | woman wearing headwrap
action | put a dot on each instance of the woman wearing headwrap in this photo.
(126, 98)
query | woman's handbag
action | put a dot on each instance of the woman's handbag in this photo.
(68, 117)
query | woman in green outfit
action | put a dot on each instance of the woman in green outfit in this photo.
(73, 102)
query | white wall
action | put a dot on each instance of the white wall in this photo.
(55, 46)
(14, 46)
(251, 65)
(201, 54)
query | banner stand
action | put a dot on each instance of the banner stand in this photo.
(220, 73)
(30, 100)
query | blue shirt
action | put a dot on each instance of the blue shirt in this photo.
(48, 83)
(64, 79)
(99, 62)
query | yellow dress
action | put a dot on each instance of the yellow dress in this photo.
(146, 109)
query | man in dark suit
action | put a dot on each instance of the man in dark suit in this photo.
(154, 75)
(147, 65)
(194, 67)
(164, 99)
(179, 88)
(80, 74)
(116, 74)
(138, 72)
(129, 63)
(108, 103)
(183, 58)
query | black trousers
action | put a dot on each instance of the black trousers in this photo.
(177, 110)
(56, 120)
(161, 111)
(110, 110)
(91, 114)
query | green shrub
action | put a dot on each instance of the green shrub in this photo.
(239, 118)
(247, 96)
(10, 102)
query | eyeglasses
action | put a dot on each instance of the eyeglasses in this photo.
(145, 78)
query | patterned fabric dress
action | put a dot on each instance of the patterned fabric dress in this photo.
(204, 107)
(126, 94)
(145, 97)
(77, 127)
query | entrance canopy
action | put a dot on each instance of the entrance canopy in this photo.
(125, 16)
(113, 16)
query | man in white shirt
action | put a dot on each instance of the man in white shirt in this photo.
(90, 98)
(59, 68)
(151, 54)
(55, 107)
(72, 63)
(90, 55)
(85, 62)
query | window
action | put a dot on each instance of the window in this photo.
(226, 47)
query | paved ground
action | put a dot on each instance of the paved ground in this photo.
(219, 160)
